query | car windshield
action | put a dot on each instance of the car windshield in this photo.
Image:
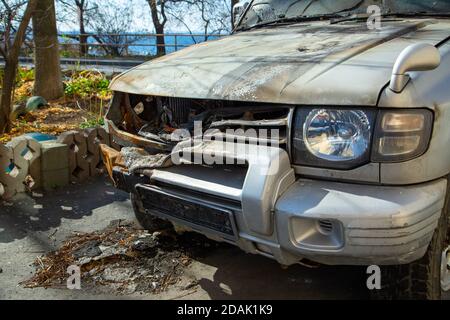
(262, 12)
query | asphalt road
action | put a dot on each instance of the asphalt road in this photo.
(31, 226)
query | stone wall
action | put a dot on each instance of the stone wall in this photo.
(28, 165)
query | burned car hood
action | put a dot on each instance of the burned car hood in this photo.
(316, 63)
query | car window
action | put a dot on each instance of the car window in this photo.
(263, 11)
(419, 5)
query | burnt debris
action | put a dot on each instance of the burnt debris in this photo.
(122, 258)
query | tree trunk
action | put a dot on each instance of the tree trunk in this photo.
(83, 39)
(9, 79)
(159, 28)
(12, 61)
(48, 78)
(160, 41)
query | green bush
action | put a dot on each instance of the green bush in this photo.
(86, 84)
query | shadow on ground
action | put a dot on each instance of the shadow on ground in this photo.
(41, 212)
(244, 276)
(33, 226)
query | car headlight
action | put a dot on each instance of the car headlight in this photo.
(333, 138)
(339, 138)
(402, 135)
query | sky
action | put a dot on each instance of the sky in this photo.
(141, 18)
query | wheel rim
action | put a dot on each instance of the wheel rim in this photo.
(445, 270)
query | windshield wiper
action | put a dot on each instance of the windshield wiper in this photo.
(353, 17)
(365, 16)
(292, 20)
(417, 14)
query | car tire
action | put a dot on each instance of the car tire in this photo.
(420, 280)
(147, 221)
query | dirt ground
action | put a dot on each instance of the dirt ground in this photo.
(54, 120)
(82, 105)
(33, 226)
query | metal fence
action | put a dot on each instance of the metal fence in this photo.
(130, 43)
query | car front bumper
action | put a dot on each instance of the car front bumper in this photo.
(285, 217)
(336, 223)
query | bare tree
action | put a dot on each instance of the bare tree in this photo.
(48, 78)
(110, 28)
(213, 16)
(12, 39)
(84, 11)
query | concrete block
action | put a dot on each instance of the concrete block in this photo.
(28, 164)
(81, 172)
(103, 136)
(67, 138)
(27, 159)
(6, 163)
(35, 163)
(93, 152)
(54, 156)
(53, 179)
(78, 163)
(80, 142)
(94, 138)
(19, 168)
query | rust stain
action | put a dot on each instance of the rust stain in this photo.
(134, 139)
(112, 158)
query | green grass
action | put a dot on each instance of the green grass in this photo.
(92, 123)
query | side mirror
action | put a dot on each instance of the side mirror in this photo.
(238, 10)
(416, 57)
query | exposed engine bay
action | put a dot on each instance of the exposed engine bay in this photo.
(149, 127)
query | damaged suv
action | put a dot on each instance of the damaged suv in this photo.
(307, 136)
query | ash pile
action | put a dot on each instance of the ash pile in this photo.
(122, 258)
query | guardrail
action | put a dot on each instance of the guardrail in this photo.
(127, 44)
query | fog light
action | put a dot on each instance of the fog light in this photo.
(317, 234)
